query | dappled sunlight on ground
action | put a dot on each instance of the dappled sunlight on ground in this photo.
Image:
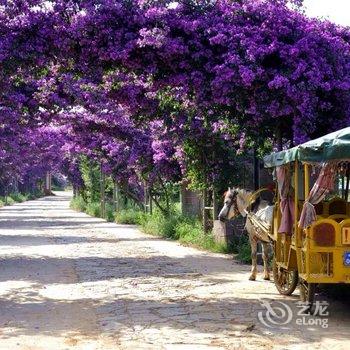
(71, 281)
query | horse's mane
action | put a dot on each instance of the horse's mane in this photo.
(245, 195)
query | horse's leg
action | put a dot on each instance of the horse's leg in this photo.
(253, 246)
(265, 256)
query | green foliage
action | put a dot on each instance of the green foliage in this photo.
(241, 247)
(159, 224)
(9, 201)
(90, 173)
(110, 214)
(244, 253)
(19, 197)
(35, 195)
(129, 216)
(202, 170)
(185, 229)
(78, 203)
(191, 232)
(94, 209)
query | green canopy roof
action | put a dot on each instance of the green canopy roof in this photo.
(334, 146)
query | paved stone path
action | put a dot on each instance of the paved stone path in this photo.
(69, 281)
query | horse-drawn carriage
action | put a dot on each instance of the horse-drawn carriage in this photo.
(310, 223)
(310, 231)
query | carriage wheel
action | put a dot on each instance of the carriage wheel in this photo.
(307, 294)
(285, 281)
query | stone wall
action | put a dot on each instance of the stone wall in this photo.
(191, 203)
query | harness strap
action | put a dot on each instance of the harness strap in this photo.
(262, 228)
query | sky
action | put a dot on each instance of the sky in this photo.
(337, 11)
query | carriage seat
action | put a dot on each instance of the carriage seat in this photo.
(336, 206)
(338, 217)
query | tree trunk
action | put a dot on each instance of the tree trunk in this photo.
(102, 192)
(215, 205)
(256, 171)
(115, 196)
(48, 180)
(204, 211)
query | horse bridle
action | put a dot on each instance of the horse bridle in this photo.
(229, 205)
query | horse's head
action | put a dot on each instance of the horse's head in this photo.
(230, 208)
(235, 203)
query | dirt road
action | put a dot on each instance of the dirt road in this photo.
(69, 281)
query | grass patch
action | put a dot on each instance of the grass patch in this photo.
(159, 225)
(244, 253)
(19, 197)
(241, 247)
(110, 213)
(191, 232)
(94, 209)
(9, 201)
(129, 217)
(187, 230)
(78, 203)
(35, 195)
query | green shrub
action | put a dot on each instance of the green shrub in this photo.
(244, 252)
(185, 229)
(190, 231)
(94, 209)
(110, 214)
(25, 197)
(128, 216)
(35, 195)
(9, 201)
(158, 224)
(19, 197)
(78, 203)
(32, 196)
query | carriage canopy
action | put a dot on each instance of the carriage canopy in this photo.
(334, 146)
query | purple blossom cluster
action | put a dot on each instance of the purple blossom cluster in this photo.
(138, 85)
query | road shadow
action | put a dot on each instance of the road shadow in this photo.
(37, 269)
(37, 240)
(234, 317)
(42, 223)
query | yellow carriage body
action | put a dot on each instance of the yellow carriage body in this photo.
(317, 252)
(323, 251)
(320, 252)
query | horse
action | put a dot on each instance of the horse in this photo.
(238, 202)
